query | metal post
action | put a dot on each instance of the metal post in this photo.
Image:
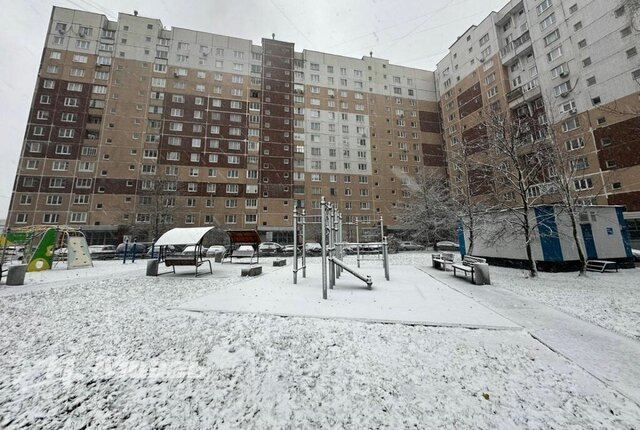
(357, 243)
(324, 250)
(385, 257)
(304, 241)
(339, 243)
(295, 245)
(133, 250)
(332, 268)
(126, 248)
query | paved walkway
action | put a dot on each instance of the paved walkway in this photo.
(410, 297)
(610, 357)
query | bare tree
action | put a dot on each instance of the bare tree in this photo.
(157, 204)
(431, 213)
(509, 164)
(471, 209)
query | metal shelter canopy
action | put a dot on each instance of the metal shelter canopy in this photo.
(244, 237)
(183, 236)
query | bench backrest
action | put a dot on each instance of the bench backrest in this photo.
(469, 260)
(449, 256)
(182, 260)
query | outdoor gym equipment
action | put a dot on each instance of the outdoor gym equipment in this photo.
(299, 222)
(332, 246)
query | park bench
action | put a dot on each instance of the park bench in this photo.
(601, 265)
(181, 260)
(440, 260)
(279, 262)
(467, 265)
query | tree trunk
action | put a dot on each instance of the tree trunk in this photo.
(533, 269)
(471, 228)
(581, 256)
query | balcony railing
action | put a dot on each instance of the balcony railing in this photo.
(514, 94)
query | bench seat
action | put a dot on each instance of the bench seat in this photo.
(440, 261)
(187, 261)
(467, 266)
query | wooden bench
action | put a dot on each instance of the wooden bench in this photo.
(440, 260)
(279, 262)
(186, 261)
(466, 266)
(251, 271)
(601, 265)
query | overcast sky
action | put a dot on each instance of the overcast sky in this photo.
(414, 33)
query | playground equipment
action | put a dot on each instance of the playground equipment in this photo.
(38, 242)
(299, 223)
(333, 247)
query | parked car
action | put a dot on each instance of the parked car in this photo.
(152, 251)
(269, 248)
(313, 248)
(636, 254)
(60, 254)
(102, 252)
(191, 249)
(288, 250)
(13, 253)
(446, 245)
(370, 248)
(410, 246)
(216, 249)
(141, 250)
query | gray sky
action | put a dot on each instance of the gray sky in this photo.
(414, 33)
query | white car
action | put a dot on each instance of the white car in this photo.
(191, 249)
(216, 249)
(102, 252)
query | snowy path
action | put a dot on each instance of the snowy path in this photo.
(603, 353)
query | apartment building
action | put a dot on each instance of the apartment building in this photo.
(569, 63)
(136, 126)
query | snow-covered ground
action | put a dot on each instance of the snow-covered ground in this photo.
(610, 300)
(110, 352)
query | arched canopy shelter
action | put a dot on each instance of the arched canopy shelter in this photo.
(190, 236)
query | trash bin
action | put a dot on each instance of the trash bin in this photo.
(152, 268)
(218, 257)
(481, 274)
(15, 275)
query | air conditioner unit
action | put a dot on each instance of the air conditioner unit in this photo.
(81, 35)
(565, 94)
(60, 31)
(564, 74)
(176, 74)
(573, 111)
(204, 54)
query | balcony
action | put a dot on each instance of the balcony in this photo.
(524, 93)
(514, 94)
(515, 47)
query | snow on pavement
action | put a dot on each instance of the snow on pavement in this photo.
(110, 353)
(610, 300)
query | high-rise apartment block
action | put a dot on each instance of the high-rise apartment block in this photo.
(135, 125)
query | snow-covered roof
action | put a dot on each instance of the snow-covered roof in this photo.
(183, 236)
